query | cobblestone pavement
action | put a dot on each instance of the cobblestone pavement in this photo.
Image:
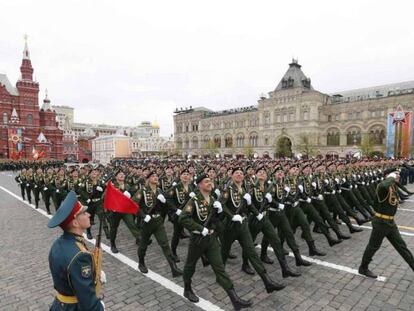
(25, 282)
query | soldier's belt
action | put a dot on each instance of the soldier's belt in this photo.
(272, 209)
(346, 189)
(386, 217)
(66, 299)
(96, 199)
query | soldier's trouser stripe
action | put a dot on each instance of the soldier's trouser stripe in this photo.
(203, 304)
(331, 265)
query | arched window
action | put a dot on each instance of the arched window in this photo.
(240, 140)
(29, 119)
(253, 139)
(377, 135)
(332, 138)
(353, 136)
(194, 142)
(5, 118)
(217, 141)
(228, 142)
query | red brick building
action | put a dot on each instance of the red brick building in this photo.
(23, 126)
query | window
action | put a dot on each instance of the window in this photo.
(285, 117)
(253, 140)
(266, 118)
(329, 118)
(278, 118)
(228, 142)
(338, 117)
(353, 136)
(5, 118)
(350, 115)
(266, 141)
(186, 128)
(377, 135)
(240, 140)
(217, 142)
(29, 119)
(291, 116)
(332, 139)
(306, 115)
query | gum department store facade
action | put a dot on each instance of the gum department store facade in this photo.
(332, 124)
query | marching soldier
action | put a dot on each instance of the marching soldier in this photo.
(37, 185)
(177, 197)
(384, 226)
(199, 217)
(237, 205)
(47, 188)
(71, 264)
(60, 185)
(21, 181)
(152, 202)
(29, 184)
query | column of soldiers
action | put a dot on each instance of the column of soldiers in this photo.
(218, 202)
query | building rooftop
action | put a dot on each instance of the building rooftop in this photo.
(294, 78)
(4, 80)
(379, 91)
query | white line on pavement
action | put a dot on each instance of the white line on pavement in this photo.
(203, 304)
(332, 265)
(401, 232)
(406, 209)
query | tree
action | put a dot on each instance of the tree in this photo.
(248, 151)
(209, 147)
(283, 147)
(366, 144)
(305, 145)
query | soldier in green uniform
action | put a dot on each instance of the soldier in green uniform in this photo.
(237, 206)
(47, 188)
(115, 217)
(199, 216)
(29, 184)
(383, 225)
(21, 179)
(37, 185)
(152, 202)
(177, 197)
(60, 185)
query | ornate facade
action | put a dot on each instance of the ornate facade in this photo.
(296, 116)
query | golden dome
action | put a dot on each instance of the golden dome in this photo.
(155, 125)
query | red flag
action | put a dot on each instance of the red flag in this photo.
(116, 201)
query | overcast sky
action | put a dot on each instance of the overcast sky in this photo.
(123, 62)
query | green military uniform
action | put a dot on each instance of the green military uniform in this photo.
(152, 202)
(47, 190)
(37, 187)
(21, 179)
(60, 186)
(29, 185)
(383, 226)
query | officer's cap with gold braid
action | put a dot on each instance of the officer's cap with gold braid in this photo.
(68, 210)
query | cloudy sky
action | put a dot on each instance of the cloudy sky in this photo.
(123, 62)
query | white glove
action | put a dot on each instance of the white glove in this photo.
(287, 189)
(343, 179)
(333, 191)
(174, 183)
(217, 205)
(296, 204)
(192, 194)
(363, 183)
(35, 186)
(147, 218)
(356, 186)
(238, 218)
(99, 188)
(27, 185)
(217, 192)
(268, 197)
(80, 184)
(204, 232)
(382, 178)
(248, 198)
(326, 181)
(339, 191)
(45, 188)
(350, 187)
(281, 206)
(300, 188)
(337, 180)
(57, 190)
(88, 200)
(308, 200)
(103, 277)
(127, 194)
(320, 197)
(313, 184)
(178, 212)
(259, 217)
(161, 198)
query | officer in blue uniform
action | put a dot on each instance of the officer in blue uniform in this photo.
(70, 262)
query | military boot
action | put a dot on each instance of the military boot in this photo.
(141, 264)
(300, 261)
(188, 292)
(113, 247)
(269, 284)
(237, 302)
(313, 251)
(174, 269)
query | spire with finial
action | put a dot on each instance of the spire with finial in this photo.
(46, 102)
(26, 53)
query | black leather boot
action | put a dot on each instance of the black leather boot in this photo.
(264, 257)
(237, 302)
(300, 261)
(174, 269)
(313, 251)
(363, 269)
(141, 265)
(270, 285)
(246, 268)
(113, 247)
(340, 235)
(188, 292)
(286, 272)
(353, 229)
